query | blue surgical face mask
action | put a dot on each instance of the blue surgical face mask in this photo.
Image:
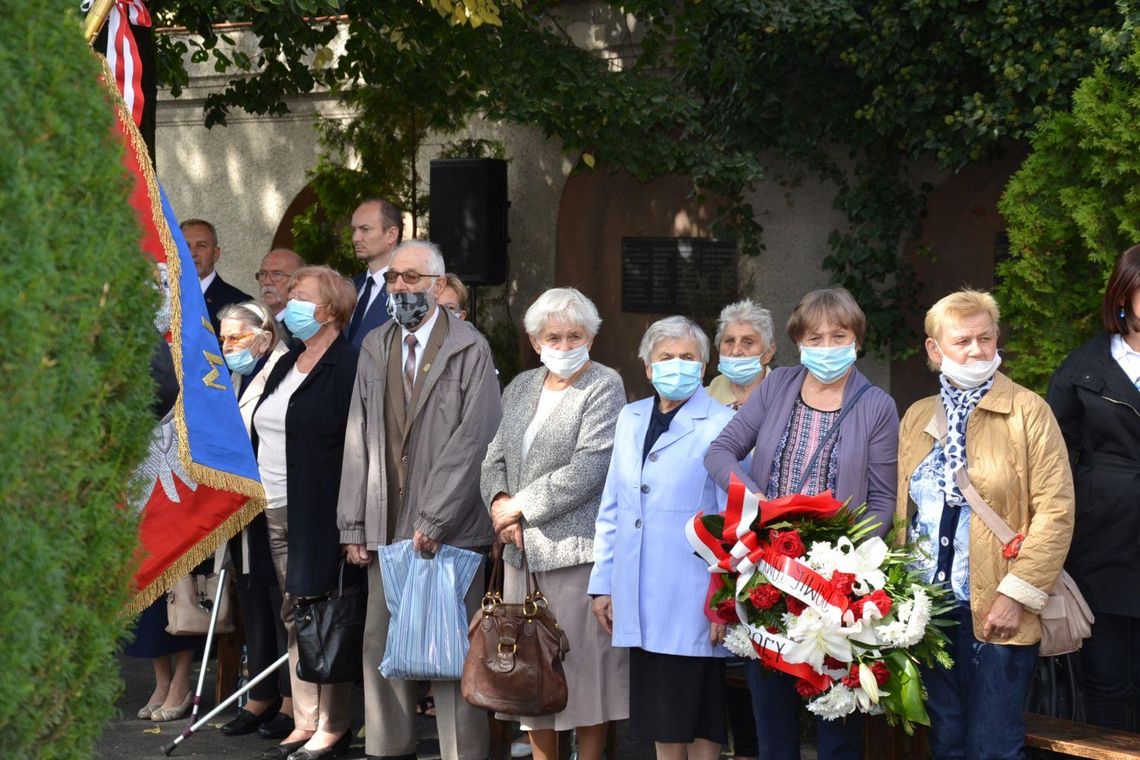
(828, 364)
(300, 319)
(740, 370)
(241, 362)
(676, 379)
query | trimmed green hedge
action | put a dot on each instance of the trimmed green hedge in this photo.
(1072, 208)
(76, 334)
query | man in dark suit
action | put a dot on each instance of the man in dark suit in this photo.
(377, 228)
(202, 238)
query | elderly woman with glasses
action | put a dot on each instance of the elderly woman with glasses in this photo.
(252, 345)
(543, 477)
(813, 428)
(745, 343)
(649, 587)
(298, 435)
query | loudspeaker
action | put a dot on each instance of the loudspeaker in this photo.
(469, 217)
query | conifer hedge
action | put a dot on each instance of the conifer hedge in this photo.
(76, 306)
(1071, 209)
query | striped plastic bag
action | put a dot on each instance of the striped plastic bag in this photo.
(427, 634)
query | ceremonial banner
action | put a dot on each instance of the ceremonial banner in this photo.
(199, 484)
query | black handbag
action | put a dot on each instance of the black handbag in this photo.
(330, 634)
(1056, 688)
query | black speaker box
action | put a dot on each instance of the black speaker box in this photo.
(469, 217)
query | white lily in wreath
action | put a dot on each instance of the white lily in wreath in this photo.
(863, 561)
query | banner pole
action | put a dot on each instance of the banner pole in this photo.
(95, 19)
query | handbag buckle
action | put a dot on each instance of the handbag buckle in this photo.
(1013, 548)
(513, 648)
(490, 601)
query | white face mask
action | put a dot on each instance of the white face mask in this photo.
(565, 363)
(970, 375)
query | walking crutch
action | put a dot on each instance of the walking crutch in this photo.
(167, 749)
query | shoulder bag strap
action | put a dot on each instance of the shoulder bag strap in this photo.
(834, 429)
(993, 521)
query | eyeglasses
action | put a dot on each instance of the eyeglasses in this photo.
(452, 307)
(239, 340)
(274, 276)
(410, 277)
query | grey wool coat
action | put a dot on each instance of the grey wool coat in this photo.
(454, 413)
(560, 483)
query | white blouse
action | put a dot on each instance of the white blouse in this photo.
(269, 420)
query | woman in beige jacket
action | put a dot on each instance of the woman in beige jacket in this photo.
(1007, 440)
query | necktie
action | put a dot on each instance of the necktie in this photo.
(409, 368)
(361, 307)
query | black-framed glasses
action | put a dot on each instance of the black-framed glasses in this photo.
(275, 276)
(411, 277)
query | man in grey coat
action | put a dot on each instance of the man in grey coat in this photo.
(425, 406)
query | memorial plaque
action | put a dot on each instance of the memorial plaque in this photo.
(690, 276)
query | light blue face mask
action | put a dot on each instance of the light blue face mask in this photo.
(241, 362)
(828, 364)
(740, 370)
(676, 379)
(300, 320)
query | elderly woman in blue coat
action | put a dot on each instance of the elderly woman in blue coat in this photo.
(649, 588)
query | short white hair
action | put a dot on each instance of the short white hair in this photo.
(747, 312)
(670, 328)
(563, 305)
(435, 256)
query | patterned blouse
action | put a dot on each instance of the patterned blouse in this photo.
(940, 528)
(806, 428)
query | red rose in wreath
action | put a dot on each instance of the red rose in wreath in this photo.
(726, 611)
(843, 582)
(788, 543)
(878, 598)
(806, 689)
(795, 606)
(764, 596)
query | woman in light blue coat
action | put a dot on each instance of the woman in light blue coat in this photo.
(649, 588)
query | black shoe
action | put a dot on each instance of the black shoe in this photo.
(278, 727)
(282, 751)
(246, 722)
(338, 748)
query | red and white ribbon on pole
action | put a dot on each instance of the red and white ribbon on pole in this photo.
(123, 52)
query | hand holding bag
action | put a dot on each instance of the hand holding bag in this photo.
(189, 603)
(330, 634)
(1066, 620)
(514, 664)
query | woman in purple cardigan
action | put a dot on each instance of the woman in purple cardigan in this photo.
(811, 428)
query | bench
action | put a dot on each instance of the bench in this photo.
(1079, 739)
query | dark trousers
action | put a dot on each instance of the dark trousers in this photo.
(776, 707)
(976, 706)
(1110, 664)
(265, 638)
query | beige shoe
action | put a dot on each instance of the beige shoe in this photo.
(148, 710)
(162, 715)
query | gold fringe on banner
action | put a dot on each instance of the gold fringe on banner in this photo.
(142, 598)
(208, 476)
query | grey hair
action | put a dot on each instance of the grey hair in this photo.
(253, 314)
(435, 256)
(669, 328)
(747, 312)
(565, 305)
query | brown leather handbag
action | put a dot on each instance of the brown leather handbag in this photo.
(514, 664)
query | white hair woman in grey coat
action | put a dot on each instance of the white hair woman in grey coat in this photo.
(543, 478)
